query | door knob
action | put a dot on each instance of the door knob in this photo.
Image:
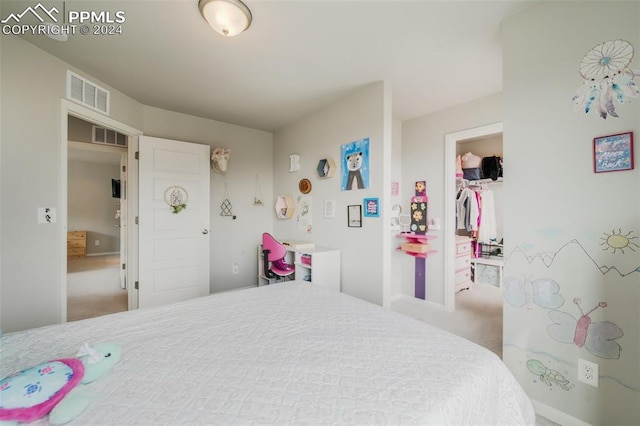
(205, 231)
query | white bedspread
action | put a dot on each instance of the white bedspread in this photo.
(290, 353)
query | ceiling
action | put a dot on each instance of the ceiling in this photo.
(297, 57)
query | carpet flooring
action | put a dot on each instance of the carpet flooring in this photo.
(477, 316)
(93, 287)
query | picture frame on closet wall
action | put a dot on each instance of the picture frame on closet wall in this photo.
(613, 153)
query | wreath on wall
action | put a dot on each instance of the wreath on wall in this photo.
(176, 197)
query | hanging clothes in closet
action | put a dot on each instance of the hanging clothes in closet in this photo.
(487, 230)
(467, 210)
(476, 213)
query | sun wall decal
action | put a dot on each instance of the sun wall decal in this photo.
(618, 241)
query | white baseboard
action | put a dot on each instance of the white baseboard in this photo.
(556, 415)
(108, 253)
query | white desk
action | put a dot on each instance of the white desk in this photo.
(319, 265)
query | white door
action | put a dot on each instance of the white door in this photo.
(173, 221)
(122, 221)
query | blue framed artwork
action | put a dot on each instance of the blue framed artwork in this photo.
(355, 165)
(372, 207)
(613, 153)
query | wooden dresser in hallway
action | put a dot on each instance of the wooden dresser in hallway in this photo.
(76, 243)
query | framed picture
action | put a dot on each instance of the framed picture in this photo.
(354, 216)
(613, 153)
(371, 207)
(355, 165)
(330, 209)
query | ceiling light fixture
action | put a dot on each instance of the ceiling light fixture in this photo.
(228, 17)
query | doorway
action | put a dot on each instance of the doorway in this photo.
(473, 280)
(128, 211)
(452, 142)
(96, 223)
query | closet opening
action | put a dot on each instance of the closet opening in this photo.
(465, 265)
(479, 222)
(474, 227)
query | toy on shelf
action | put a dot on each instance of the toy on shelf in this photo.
(284, 207)
(417, 245)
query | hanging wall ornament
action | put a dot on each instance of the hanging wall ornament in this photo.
(607, 78)
(226, 209)
(257, 198)
(220, 159)
(176, 197)
(304, 186)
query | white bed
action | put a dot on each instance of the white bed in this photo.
(290, 353)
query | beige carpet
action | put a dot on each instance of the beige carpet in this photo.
(477, 317)
(93, 287)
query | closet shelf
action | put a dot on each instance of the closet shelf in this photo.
(482, 181)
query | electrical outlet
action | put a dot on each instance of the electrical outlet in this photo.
(588, 372)
(236, 269)
(97, 242)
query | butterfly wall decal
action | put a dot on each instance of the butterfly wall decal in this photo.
(542, 292)
(596, 337)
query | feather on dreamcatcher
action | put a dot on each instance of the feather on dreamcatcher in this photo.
(607, 78)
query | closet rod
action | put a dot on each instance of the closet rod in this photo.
(481, 181)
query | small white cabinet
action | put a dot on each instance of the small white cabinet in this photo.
(319, 265)
(488, 271)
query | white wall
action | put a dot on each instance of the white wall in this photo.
(559, 213)
(362, 114)
(91, 207)
(423, 151)
(397, 256)
(232, 241)
(32, 84)
(30, 167)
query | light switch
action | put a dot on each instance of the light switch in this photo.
(46, 215)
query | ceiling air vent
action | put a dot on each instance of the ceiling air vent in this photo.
(108, 137)
(87, 93)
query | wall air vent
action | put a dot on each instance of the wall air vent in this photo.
(89, 94)
(108, 137)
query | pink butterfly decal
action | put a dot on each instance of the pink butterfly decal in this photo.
(596, 337)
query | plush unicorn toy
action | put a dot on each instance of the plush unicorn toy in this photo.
(53, 387)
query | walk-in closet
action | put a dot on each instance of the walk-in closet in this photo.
(479, 219)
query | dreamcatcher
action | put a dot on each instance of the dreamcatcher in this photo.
(607, 77)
